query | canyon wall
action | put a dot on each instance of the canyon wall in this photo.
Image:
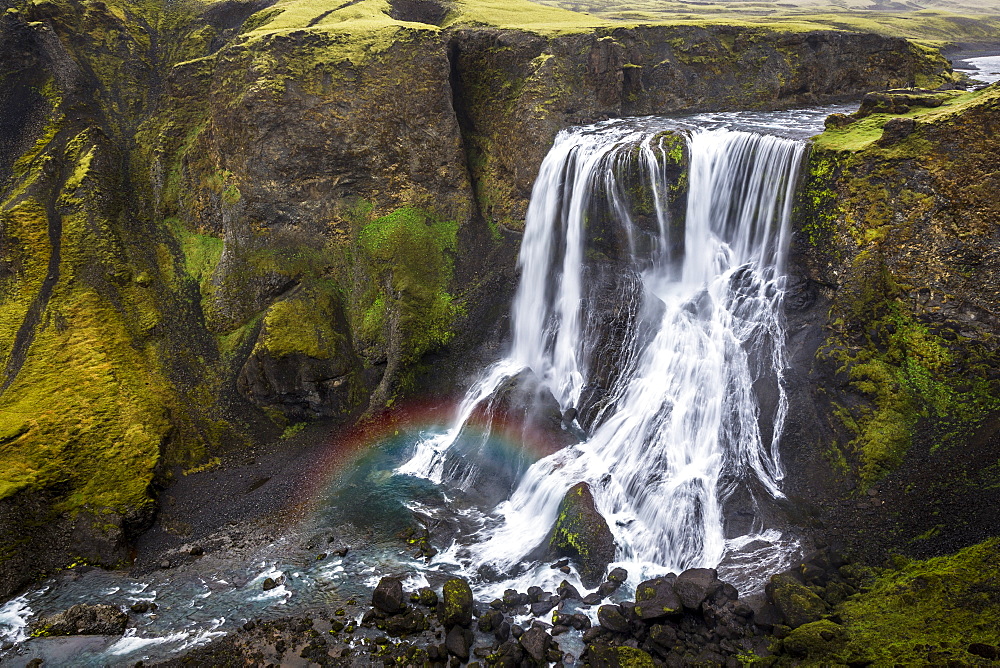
(219, 220)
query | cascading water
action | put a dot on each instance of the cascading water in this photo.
(647, 323)
(686, 407)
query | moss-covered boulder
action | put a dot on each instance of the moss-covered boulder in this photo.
(798, 604)
(813, 640)
(610, 656)
(456, 603)
(582, 534)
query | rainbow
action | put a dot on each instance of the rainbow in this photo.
(346, 448)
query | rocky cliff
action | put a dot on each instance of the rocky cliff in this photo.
(894, 325)
(222, 219)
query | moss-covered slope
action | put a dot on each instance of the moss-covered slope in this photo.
(899, 239)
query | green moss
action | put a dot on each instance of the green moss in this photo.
(863, 133)
(925, 613)
(304, 324)
(408, 257)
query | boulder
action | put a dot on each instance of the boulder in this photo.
(83, 620)
(388, 596)
(656, 598)
(612, 618)
(536, 642)
(814, 640)
(695, 585)
(797, 603)
(896, 129)
(606, 656)
(413, 621)
(583, 535)
(458, 642)
(457, 609)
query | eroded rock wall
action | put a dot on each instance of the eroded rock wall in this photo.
(893, 436)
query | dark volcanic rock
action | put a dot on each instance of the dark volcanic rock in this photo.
(695, 585)
(582, 534)
(459, 641)
(656, 598)
(388, 596)
(83, 619)
(536, 643)
(457, 603)
(612, 618)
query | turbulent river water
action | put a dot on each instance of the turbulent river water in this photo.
(651, 327)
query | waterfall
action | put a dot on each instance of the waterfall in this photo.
(677, 392)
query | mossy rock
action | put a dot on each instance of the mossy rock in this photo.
(814, 640)
(582, 534)
(798, 604)
(607, 656)
(457, 603)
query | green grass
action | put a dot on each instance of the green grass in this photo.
(862, 134)
(938, 24)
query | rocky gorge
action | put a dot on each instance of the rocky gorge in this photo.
(223, 221)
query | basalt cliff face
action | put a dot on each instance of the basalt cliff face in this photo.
(219, 220)
(893, 323)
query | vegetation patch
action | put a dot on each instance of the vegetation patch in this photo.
(942, 611)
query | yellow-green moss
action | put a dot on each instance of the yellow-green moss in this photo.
(25, 247)
(926, 613)
(408, 257)
(304, 324)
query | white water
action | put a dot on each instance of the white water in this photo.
(694, 407)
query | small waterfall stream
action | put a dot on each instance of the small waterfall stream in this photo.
(693, 406)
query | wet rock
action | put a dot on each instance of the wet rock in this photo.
(83, 619)
(618, 575)
(536, 643)
(427, 596)
(695, 585)
(607, 589)
(459, 641)
(457, 604)
(656, 598)
(413, 621)
(566, 591)
(140, 607)
(582, 534)
(612, 618)
(606, 656)
(388, 596)
(490, 621)
(510, 653)
(512, 599)
(542, 607)
(593, 598)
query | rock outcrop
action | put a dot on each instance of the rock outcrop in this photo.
(895, 327)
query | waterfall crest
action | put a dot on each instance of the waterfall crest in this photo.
(657, 329)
